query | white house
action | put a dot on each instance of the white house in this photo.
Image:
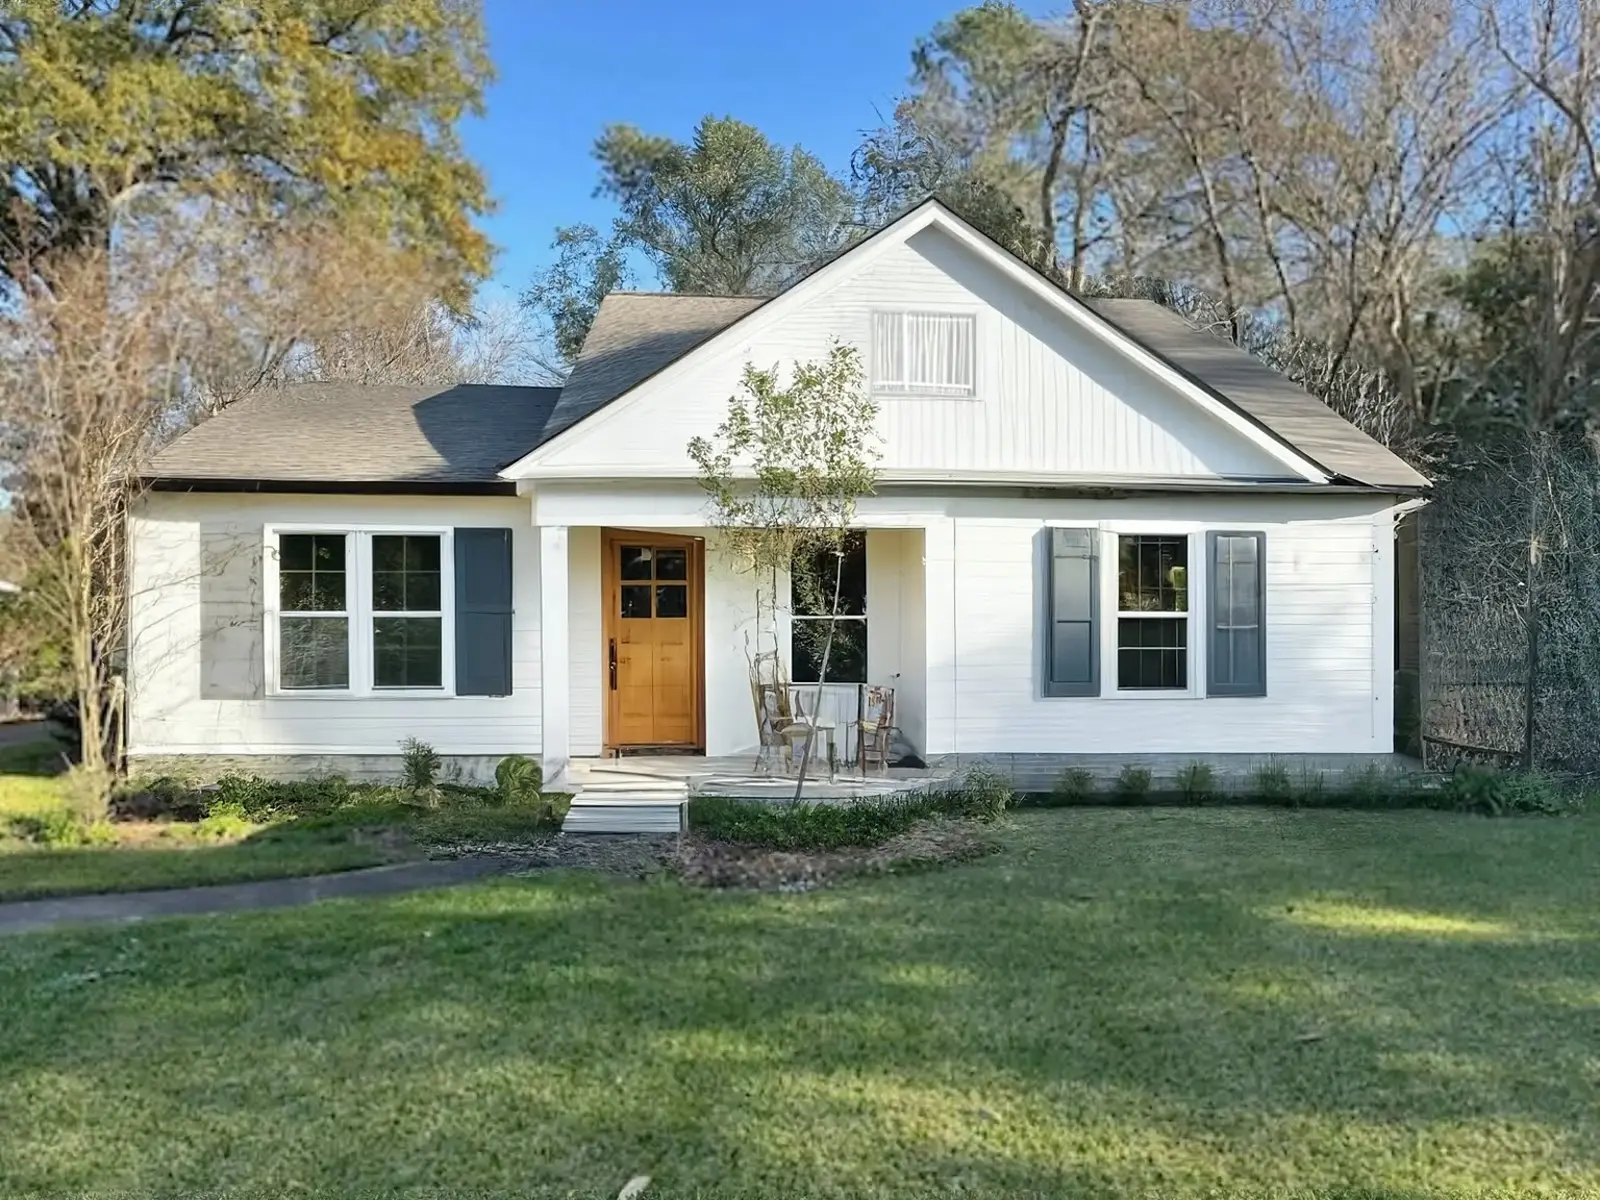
(1098, 530)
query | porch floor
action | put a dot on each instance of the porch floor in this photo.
(736, 776)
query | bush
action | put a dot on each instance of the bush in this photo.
(1309, 789)
(983, 795)
(148, 799)
(1495, 793)
(1270, 784)
(419, 770)
(518, 779)
(1075, 785)
(61, 829)
(1132, 785)
(1197, 783)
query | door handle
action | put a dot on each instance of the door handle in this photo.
(613, 664)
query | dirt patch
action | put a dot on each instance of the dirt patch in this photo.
(702, 862)
(724, 865)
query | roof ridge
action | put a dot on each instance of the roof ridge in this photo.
(687, 295)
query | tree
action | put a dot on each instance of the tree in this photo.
(106, 353)
(566, 295)
(785, 470)
(345, 111)
(728, 212)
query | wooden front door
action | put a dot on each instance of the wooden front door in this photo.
(654, 591)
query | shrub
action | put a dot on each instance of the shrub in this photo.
(1495, 793)
(1309, 788)
(419, 769)
(553, 808)
(88, 793)
(518, 779)
(808, 826)
(1132, 785)
(1270, 783)
(1365, 787)
(223, 826)
(61, 829)
(983, 795)
(1075, 785)
(165, 796)
(1197, 783)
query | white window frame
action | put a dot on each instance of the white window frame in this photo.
(1111, 595)
(904, 388)
(359, 611)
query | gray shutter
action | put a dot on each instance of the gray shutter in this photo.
(232, 655)
(1072, 640)
(483, 612)
(1236, 616)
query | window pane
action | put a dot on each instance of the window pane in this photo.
(1152, 573)
(405, 573)
(313, 652)
(635, 562)
(812, 580)
(636, 601)
(672, 562)
(407, 652)
(311, 572)
(1152, 652)
(672, 601)
(847, 660)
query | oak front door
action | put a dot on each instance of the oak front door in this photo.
(653, 585)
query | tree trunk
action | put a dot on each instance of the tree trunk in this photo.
(822, 676)
(1531, 603)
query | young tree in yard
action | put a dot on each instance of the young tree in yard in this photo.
(344, 111)
(784, 471)
(105, 354)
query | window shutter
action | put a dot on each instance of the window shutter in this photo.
(1236, 664)
(1072, 663)
(483, 612)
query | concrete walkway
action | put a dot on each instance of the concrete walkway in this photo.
(28, 915)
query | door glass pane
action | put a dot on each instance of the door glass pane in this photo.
(636, 601)
(634, 562)
(672, 600)
(672, 562)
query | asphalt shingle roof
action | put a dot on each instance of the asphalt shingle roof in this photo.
(1268, 398)
(364, 433)
(634, 335)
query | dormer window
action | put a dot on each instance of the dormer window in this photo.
(924, 354)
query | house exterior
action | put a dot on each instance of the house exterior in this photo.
(1097, 530)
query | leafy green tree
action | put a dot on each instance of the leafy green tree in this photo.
(346, 110)
(728, 212)
(566, 295)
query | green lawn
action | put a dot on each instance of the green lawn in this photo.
(1119, 1003)
(164, 854)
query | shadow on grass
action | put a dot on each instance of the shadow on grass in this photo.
(1119, 1003)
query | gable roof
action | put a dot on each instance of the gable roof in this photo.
(362, 433)
(1268, 397)
(634, 335)
(646, 333)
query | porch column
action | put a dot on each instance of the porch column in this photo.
(555, 656)
(939, 584)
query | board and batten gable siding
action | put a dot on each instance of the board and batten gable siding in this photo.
(1329, 640)
(1051, 398)
(196, 669)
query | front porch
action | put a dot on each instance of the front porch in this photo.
(648, 793)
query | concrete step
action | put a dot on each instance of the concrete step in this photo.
(622, 812)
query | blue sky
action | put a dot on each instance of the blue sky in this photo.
(815, 73)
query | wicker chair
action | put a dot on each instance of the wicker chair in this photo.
(874, 727)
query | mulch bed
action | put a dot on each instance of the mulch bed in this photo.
(702, 862)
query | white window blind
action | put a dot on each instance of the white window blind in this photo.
(924, 354)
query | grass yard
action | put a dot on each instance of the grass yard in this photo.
(171, 853)
(1121, 1002)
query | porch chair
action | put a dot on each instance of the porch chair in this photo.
(784, 726)
(874, 727)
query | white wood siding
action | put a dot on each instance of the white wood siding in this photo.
(1329, 650)
(195, 663)
(1051, 399)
